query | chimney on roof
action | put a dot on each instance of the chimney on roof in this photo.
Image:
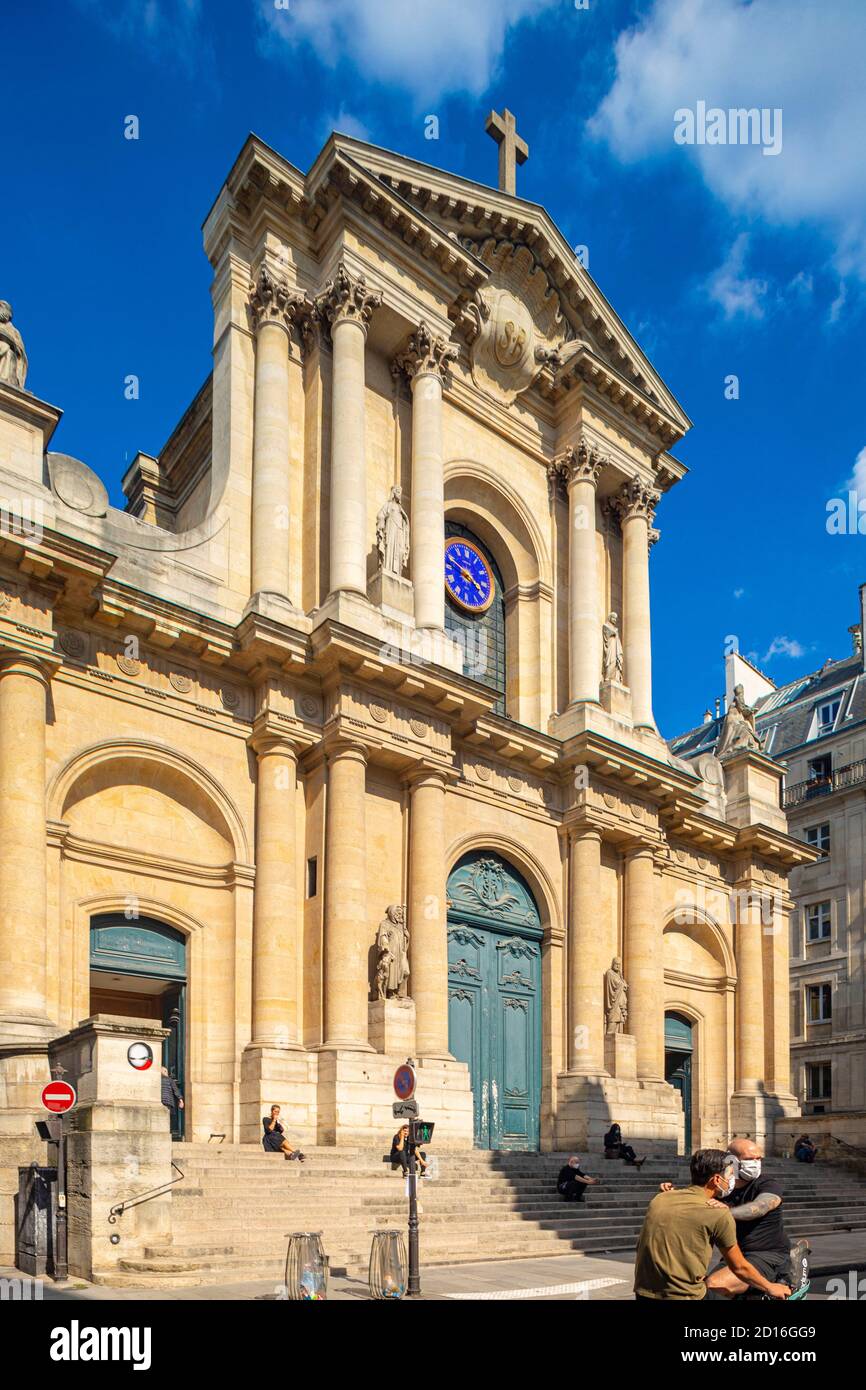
(708, 716)
(856, 639)
(718, 708)
(862, 621)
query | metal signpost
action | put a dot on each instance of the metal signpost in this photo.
(420, 1132)
(58, 1097)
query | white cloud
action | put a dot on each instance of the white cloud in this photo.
(784, 646)
(738, 593)
(428, 50)
(857, 481)
(737, 294)
(807, 60)
(346, 124)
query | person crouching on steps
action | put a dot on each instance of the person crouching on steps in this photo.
(573, 1182)
(274, 1138)
(400, 1153)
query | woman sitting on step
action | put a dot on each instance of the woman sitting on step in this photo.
(274, 1138)
(615, 1147)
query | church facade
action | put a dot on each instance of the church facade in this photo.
(336, 745)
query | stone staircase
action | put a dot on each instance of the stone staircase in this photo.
(236, 1204)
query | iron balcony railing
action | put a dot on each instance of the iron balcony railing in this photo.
(836, 781)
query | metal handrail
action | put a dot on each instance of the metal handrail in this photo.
(148, 1196)
(848, 776)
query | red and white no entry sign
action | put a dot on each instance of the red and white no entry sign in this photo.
(58, 1097)
(140, 1056)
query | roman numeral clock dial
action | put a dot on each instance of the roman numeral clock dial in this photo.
(468, 577)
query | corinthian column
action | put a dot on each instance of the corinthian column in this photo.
(424, 360)
(347, 304)
(581, 468)
(272, 305)
(275, 904)
(586, 953)
(644, 969)
(635, 504)
(428, 951)
(23, 851)
(346, 916)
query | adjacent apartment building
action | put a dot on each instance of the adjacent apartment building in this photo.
(816, 725)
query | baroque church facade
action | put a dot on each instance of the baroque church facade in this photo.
(336, 745)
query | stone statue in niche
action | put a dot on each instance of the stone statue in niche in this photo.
(13, 358)
(739, 729)
(615, 998)
(392, 943)
(611, 660)
(392, 534)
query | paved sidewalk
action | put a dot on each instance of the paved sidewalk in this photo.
(563, 1278)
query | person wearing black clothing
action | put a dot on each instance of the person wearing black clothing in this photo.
(169, 1091)
(573, 1182)
(400, 1153)
(804, 1150)
(614, 1147)
(755, 1203)
(274, 1137)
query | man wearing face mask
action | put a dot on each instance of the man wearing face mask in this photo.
(756, 1206)
(681, 1229)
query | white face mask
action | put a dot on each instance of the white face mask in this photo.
(750, 1168)
(728, 1179)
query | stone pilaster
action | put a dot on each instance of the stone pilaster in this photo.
(347, 305)
(635, 504)
(644, 970)
(749, 1064)
(273, 306)
(347, 930)
(428, 950)
(425, 360)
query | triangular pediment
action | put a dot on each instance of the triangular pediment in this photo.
(509, 234)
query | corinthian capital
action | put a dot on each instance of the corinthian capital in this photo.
(346, 297)
(636, 498)
(274, 300)
(424, 353)
(583, 464)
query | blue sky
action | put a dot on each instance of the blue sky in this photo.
(721, 260)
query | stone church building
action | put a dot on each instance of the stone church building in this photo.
(336, 745)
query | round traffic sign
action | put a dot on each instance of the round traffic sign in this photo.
(58, 1097)
(140, 1056)
(404, 1081)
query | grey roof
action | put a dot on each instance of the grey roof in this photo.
(785, 714)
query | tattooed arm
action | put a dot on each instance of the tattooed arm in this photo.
(768, 1201)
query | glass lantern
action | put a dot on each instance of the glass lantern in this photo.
(306, 1268)
(388, 1267)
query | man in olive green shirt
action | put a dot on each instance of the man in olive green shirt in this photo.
(680, 1230)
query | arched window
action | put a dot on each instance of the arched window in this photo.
(481, 636)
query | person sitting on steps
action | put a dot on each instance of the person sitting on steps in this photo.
(573, 1182)
(400, 1153)
(615, 1147)
(274, 1138)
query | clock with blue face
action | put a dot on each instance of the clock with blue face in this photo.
(468, 577)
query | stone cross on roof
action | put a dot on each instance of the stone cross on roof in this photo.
(512, 150)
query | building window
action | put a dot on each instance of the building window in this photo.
(818, 1081)
(819, 1003)
(826, 715)
(819, 837)
(312, 877)
(481, 637)
(821, 769)
(818, 922)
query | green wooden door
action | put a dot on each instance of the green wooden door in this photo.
(678, 1066)
(149, 949)
(494, 988)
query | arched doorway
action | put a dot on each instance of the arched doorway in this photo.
(679, 1046)
(494, 997)
(138, 970)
